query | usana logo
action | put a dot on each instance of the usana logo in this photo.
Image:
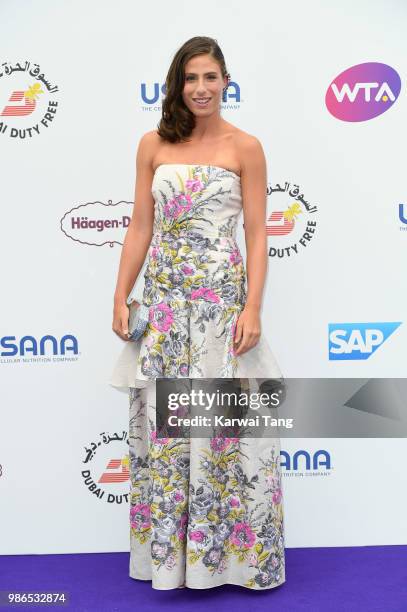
(304, 463)
(45, 349)
(403, 217)
(152, 93)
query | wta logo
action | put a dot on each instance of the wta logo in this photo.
(363, 92)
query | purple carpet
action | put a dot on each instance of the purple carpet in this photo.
(328, 579)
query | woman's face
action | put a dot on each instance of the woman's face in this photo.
(203, 85)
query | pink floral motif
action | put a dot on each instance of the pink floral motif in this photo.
(170, 209)
(184, 369)
(277, 496)
(184, 519)
(154, 252)
(205, 293)
(140, 516)
(235, 256)
(197, 536)
(179, 496)
(153, 438)
(194, 184)
(219, 444)
(253, 560)
(234, 502)
(187, 269)
(161, 317)
(178, 205)
(242, 535)
(182, 526)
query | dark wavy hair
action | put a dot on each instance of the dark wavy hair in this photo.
(177, 121)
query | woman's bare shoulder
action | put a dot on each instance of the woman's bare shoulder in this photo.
(150, 138)
(148, 146)
(244, 141)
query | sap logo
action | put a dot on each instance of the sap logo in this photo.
(357, 340)
(363, 91)
(402, 216)
(46, 345)
(321, 458)
(155, 91)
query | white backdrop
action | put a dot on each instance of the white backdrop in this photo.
(77, 90)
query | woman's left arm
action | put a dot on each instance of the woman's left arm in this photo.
(254, 186)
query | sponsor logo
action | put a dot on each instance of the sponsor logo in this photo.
(28, 105)
(45, 349)
(363, 92)
(357, 340)
(105, 471)
(403, 217)
(151, 95)
(96, 223)
(302, 463)
(292, 225)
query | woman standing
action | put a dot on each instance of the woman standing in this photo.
(203, 511)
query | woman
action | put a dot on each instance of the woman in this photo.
(203, 511)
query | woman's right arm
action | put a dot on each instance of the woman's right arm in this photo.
(138, 235)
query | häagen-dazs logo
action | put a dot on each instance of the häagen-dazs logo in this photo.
(27, 100)
(96, 223)
(363, 91)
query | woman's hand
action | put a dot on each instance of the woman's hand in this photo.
(248, 329)
(121, 320)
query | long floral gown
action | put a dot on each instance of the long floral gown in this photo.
(203, 511)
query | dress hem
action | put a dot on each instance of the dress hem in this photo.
(190, 586)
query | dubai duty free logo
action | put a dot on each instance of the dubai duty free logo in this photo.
(363, 92)
(27, 100)
(292, 225)
(358, 340)
(105, 470)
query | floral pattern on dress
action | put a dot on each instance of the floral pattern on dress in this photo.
(208, 509)
(192, 265)
(225, 514)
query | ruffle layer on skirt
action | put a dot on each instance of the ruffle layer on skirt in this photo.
(161, 353)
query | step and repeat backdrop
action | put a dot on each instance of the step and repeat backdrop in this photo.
(322, 85)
